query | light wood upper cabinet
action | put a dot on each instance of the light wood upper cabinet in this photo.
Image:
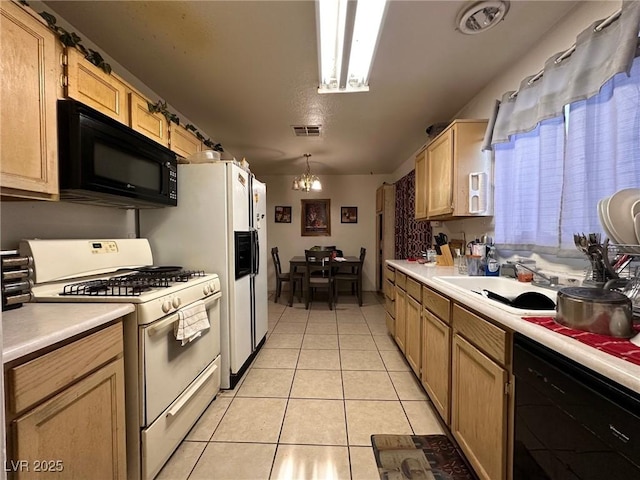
(29, 75)
(421, 185)
(88, 84)
(67, 407)
(182, 141)
(453, 176)
(152, 125)
(479, 409)
(440, 175)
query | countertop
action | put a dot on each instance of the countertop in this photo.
(618, 370)
(38, 325)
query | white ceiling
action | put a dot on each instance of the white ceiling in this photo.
(245, 71)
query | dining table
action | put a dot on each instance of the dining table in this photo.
(298, 263)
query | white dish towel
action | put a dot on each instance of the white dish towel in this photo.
(192, 320)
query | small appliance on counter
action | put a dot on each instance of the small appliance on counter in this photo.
(17, 274)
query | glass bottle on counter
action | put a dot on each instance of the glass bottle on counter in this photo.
(460, 262)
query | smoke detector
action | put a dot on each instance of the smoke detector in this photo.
(481, 16)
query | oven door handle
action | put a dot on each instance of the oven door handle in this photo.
(175, 317)
(208, 301)
(190, 392)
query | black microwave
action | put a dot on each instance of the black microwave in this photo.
(103, 162)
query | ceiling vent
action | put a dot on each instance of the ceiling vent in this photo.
(306, 130)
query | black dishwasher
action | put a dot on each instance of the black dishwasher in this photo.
(571, 423)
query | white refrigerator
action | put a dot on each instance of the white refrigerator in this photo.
(219, 226)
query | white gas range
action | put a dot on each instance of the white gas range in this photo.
(169, 383)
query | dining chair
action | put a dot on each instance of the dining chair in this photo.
(354, 277)
(319, 274)
(281, 277)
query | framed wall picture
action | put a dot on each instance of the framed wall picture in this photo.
(283, 214)
(316, 218)
(349, 214)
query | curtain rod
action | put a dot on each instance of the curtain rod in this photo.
(567, 53)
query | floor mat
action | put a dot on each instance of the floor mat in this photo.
(418, 457)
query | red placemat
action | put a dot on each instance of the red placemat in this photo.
(618, 347)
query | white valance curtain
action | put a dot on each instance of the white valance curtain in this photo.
(601, 51)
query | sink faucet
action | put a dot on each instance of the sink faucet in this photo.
(551, 281)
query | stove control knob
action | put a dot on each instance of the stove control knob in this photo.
(212, 286)
(206, 290)
(177, 302)
(166, 306)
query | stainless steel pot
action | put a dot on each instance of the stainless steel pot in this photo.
(595, 310)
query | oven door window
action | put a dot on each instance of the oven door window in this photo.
(243, 253)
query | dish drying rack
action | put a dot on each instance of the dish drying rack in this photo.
(608, 261)
(614, 266)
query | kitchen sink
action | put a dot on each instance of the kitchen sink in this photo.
(506, 287)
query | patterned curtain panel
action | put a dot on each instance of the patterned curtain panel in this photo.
(412, 236)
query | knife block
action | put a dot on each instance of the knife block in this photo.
(445, 259)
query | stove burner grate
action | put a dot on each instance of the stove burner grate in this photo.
(131, 285)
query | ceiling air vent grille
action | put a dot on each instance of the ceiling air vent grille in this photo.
(306, 130)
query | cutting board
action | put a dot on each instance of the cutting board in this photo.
(445, 259)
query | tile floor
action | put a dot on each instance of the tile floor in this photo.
(323, 383)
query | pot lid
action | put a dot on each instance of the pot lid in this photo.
(599, 295)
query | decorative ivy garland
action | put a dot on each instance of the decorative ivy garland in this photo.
(71, 39)
(161, 107)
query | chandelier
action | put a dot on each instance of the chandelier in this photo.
(307, 182)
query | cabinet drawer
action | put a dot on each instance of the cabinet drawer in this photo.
(436, 303)
(390, 274)
(41, 377)
(389, 289)
(401, 280)
(391, 324)
(414, 289)
(487, 337)
(390, 306)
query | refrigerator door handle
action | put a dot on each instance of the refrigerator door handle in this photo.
(257, 249)
(255, 252)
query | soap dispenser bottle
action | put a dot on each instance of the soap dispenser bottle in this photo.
(491, 267)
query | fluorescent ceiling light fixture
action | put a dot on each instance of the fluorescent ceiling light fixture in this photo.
(348, 35)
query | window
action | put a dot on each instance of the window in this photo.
(548, 181)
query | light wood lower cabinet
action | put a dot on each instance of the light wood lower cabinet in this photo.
(436, 362)
(413, 338)
(401, 318)
(389, 290)
(479, 409)
(463, 361)
(29, 76)
(66, 411)
(77, 432)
